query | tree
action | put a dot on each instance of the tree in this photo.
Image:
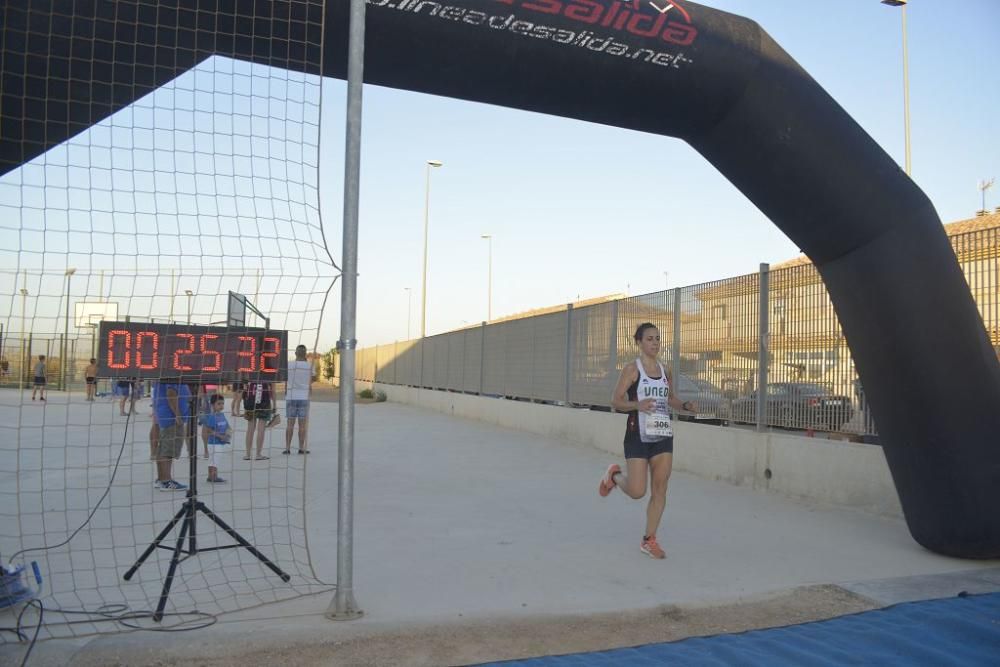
(329, 364)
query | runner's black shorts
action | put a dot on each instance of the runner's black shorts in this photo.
(637, 449)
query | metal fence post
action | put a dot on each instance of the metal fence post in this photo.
(676, 361)
(569, 349)
(482, 357)
(613, 352)
(763, 341)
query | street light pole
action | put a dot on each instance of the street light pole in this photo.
(906, 83)
(427, 208)
(489, 283)
(64, 362)
(24, 332)
(189, 295)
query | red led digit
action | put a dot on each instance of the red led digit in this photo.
(154, 339)
(249, 355)
(273, 354)
(111, 349)
(217, 365)
(187, 350)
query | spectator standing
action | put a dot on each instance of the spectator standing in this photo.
(39, 379)
(300, 379)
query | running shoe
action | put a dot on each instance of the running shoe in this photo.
(172, 485)
(650, 547)
(216, 480)
(607, 481)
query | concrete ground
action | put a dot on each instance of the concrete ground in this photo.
(476, 543)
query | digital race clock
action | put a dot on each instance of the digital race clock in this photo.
(191, 352)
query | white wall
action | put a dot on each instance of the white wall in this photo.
(828, 471)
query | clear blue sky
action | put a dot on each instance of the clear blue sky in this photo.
(540, 184)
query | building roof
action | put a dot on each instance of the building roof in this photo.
(957, 228)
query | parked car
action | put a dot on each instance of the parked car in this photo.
(801, 405)
(712, 405)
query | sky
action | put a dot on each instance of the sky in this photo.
(576, 210)
(539, 184)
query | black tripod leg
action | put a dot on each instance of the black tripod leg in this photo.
(243, 543)
(155, 543)
(174, 561)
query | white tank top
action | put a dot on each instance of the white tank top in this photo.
(658, 426)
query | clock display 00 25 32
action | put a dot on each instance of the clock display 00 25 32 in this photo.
(190, 352)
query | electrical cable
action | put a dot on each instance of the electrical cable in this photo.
(107, 490)
(118, 613)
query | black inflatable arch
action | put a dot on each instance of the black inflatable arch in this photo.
(713, 79)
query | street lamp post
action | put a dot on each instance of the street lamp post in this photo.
(489, 280)
(427, 208)
(906, 82)
(189, 295)
(64, 362)
(409, 304)
(24, 333)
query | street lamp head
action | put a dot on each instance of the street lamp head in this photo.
(486, 236)
(70, 271)
(894, 3)
(24, 292)
(435, 163)
(189, 292)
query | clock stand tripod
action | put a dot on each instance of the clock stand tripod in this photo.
(187, 516)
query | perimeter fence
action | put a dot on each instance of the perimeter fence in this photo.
(716, 338)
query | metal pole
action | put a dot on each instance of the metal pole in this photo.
(482, 358)
(906, 95)
(423, 289)
(762, 349)
(24, 329)
(427, 208)
(344, 606)
(675, 364)
(64, 362)
(173, 288)
(613, 347)
(569, 351)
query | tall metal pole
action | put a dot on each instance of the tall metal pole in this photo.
(906, 83)
(427, 210)
(763, 345)
(24, 328)
(344, 606)
(64, 362)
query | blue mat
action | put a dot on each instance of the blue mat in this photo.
(963, 630)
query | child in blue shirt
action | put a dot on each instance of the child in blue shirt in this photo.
(216, 433)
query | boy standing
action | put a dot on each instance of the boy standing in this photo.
(216, 433)
(39, 383)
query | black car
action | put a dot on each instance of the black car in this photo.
(800, 405)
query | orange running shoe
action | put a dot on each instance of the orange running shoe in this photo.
(650, 547)
(607, 481)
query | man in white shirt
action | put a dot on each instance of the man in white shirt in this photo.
(300, 377)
